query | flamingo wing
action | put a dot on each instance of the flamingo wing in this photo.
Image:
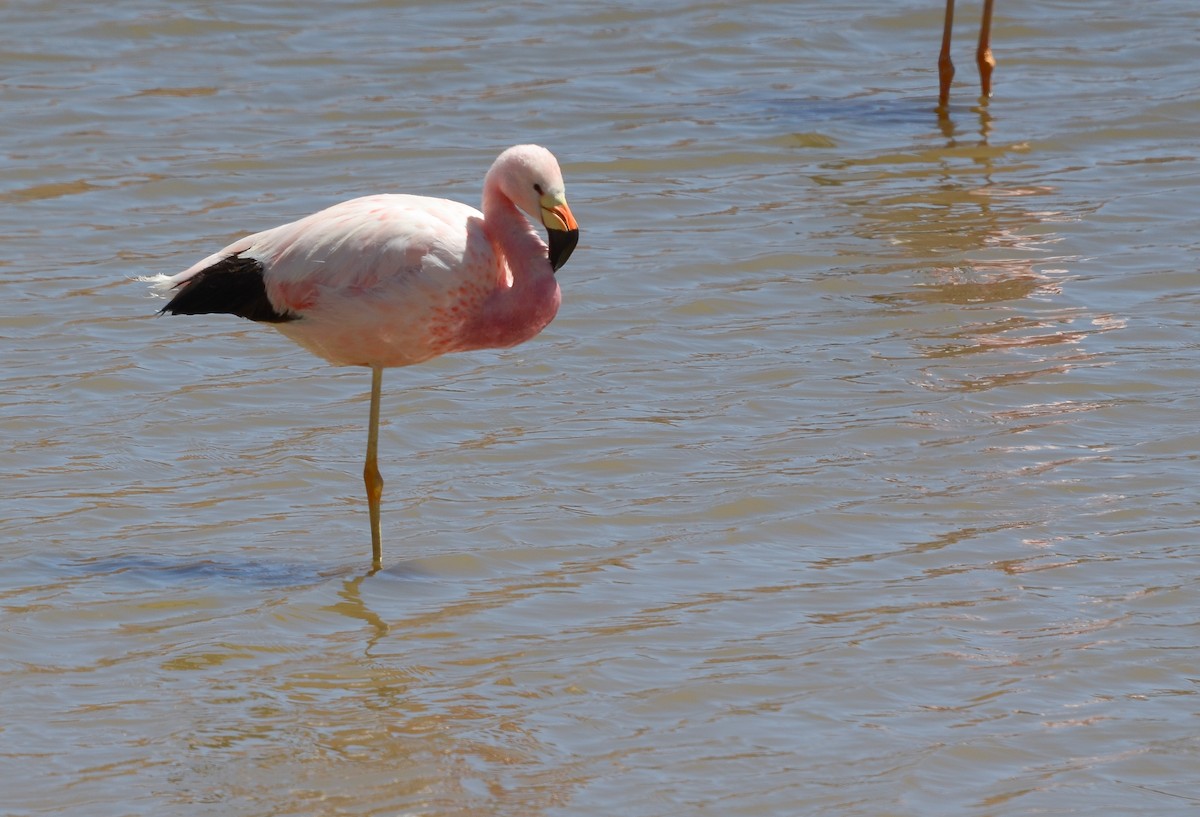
(366, 248)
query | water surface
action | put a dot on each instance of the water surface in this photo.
(855, 477)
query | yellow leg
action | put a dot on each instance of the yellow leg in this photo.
(945, 65)
(983, 56)
(371, 475)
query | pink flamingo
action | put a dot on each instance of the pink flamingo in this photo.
(393, 280)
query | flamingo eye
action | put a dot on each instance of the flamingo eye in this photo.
(538, 189)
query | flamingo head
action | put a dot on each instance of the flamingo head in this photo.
(530, 177)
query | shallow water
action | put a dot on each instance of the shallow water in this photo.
(855, 477)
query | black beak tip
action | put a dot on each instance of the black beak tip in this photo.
(562, 244)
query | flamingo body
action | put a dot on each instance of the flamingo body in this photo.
(392, 280)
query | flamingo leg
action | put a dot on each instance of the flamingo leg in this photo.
(371, 477)
(945, 65)
(983, 56)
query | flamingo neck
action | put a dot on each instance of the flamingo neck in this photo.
(517, 239)
(526, 296)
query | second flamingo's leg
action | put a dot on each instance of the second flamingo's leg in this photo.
(371, 477)
(945, 65)
(983, 56)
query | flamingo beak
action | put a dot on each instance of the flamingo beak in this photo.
(562, 230)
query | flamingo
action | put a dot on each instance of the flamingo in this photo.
(983, 55)
(394, 280)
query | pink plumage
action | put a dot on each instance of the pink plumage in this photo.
(392, 280)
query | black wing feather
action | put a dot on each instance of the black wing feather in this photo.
(233, 286)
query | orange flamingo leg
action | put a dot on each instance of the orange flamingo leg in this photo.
(945, 65)
(983, 56)
(371, 476)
